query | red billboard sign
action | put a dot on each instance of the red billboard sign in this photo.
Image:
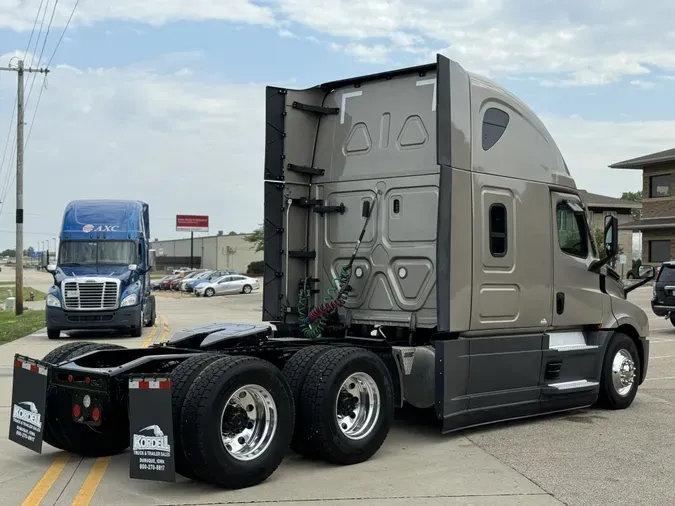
(192, 223)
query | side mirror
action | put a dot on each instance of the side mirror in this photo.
(51, 268)
(151, 257)
(133, 267)
(611, 236)
(647, 272)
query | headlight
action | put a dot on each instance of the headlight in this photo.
(53, 301)
(130, 300)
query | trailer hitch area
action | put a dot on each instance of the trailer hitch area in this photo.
(151, 427)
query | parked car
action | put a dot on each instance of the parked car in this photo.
(157, 283)
(166, 282)
(187, 280)
(663, 291)
(227, 284)
(212, 275)
(175, 284)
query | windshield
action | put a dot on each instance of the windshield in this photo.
(97, 253)
(667, 274)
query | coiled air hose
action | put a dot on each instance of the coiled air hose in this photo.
(313, 323)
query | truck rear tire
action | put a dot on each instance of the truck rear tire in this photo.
(295, 371)
(347, 405)
(182, 378)
(258, 422)
(620, 373)
(111, 438)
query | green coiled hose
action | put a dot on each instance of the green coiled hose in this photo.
(313, 323)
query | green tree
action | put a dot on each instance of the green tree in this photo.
(257, 238)
(599, 237)
(635, 197)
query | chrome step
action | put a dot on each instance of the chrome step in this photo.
(573, 385)
(574, 347)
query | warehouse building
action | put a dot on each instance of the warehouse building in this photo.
(209, 252)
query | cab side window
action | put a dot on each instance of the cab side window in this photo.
(572, 233)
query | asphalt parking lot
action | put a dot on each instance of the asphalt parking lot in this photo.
(583, 458)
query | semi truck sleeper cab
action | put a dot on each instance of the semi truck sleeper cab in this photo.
(425, 244)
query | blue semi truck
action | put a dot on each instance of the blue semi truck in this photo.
(102, 274)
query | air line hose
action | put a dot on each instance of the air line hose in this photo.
(312, 323)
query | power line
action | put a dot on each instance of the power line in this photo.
(63, 33)
(44, 43)
(25, 54)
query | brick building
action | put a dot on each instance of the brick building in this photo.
(658, 204)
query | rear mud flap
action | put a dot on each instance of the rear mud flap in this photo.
(29, 402)
(151, 428)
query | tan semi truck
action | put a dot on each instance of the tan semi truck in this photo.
(425, 244)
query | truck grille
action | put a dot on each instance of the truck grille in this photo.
(90, 294)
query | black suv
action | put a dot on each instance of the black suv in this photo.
(663, 294)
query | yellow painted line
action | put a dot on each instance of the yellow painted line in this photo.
(151, 335)
(90, 484)
(165, 331)
(40, 490)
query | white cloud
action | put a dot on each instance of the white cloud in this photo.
(645, 85)
(581, 43)
(20, 14)
(585, 43)
(181, 144)
(192, 146)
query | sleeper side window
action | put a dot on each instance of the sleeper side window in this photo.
(572, 233)
(498, 235)
(495, 122)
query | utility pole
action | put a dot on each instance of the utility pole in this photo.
(20, 70)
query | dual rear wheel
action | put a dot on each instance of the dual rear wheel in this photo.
(235, 417)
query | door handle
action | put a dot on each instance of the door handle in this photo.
(560, 302)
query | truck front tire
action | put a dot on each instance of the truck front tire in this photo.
(153, 311)
(347, 405)
(237, 422)
(620, 373)
(53, 333)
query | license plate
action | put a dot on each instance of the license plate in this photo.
(72, 293)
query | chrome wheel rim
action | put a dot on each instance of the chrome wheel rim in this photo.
(248, 422)
(357, 407)
(623, 372)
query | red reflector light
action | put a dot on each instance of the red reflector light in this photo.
(76, 411)
(70, 378)
(87, 380)
(96, 414)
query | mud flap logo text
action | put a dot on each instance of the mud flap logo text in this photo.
(27, 413)
(151, 442)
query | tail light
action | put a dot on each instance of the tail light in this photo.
(96, 414)
(77, 411)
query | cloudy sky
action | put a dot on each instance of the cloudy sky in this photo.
(162, 100)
